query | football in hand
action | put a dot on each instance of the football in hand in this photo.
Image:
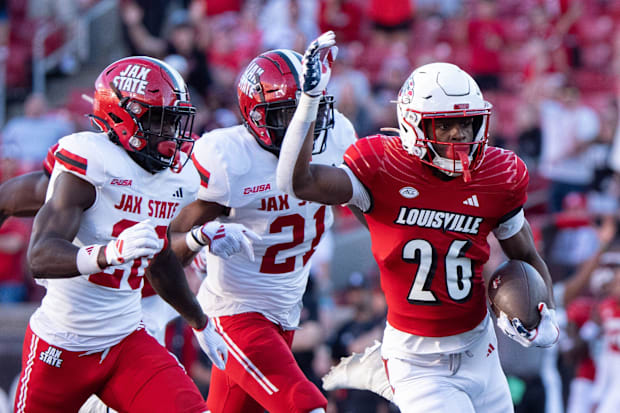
(515, 288)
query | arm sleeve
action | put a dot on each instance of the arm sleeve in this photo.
(510, 226)
(360, 198)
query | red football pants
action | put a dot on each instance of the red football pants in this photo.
(261, 372)
(137, 375)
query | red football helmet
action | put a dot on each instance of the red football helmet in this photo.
(268, 91)
(144, 106)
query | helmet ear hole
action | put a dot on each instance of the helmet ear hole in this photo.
(255, 115)
(115, 118)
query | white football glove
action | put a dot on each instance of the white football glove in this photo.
(317, 66)
(137, 241)
(227, 239)
(545, 335)
(212, 343)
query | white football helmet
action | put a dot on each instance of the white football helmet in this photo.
(442, 90)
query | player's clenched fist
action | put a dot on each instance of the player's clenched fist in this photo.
(545, 334)
(137, 241)
(225, 240)
(316, 65)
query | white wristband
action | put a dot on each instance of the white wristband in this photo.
(86, 259)
(194, 240)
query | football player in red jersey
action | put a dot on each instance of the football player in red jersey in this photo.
(431, 197)
(111, 197)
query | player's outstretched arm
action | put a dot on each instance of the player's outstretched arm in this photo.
(23, 195)
(295, 175)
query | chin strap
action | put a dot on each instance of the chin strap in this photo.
(464, 158)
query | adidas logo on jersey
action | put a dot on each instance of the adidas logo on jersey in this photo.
(51, 356)
(490, 349)
(178, 193)
(472, 201)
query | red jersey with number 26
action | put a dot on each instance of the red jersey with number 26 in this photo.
(429, 233)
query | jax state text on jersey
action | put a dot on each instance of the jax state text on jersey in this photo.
(156, 208)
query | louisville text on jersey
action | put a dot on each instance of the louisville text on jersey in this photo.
(156, 208)
(132, 79)
(446, 221)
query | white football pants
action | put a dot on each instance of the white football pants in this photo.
(467, 382)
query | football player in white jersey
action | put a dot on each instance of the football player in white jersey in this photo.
(256, 303)
(110, 200)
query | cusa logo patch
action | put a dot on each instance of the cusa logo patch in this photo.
(409, 192)
(257, 188)
(121, 182)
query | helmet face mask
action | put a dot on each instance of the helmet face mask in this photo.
(143, 104)
(268, 91)
(442, 94)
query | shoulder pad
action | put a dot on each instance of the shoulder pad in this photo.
(220, 156)
(82, 153)
(365, 156)
(344, 133)
(503, 171)
(50, 160)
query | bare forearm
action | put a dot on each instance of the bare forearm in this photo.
(179, 247)
(538, 263)
(167, 278)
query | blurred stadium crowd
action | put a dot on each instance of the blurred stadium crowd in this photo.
(551, 69)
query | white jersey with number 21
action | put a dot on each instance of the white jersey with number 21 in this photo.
(238, 173)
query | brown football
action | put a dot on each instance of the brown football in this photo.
(516, 288)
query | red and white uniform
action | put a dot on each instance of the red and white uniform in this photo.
(156, 313)
(607, 380)
(430, 245)
(237, 173)
(581, 386)
(99, 315)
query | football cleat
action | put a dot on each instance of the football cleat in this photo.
(361, 371)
